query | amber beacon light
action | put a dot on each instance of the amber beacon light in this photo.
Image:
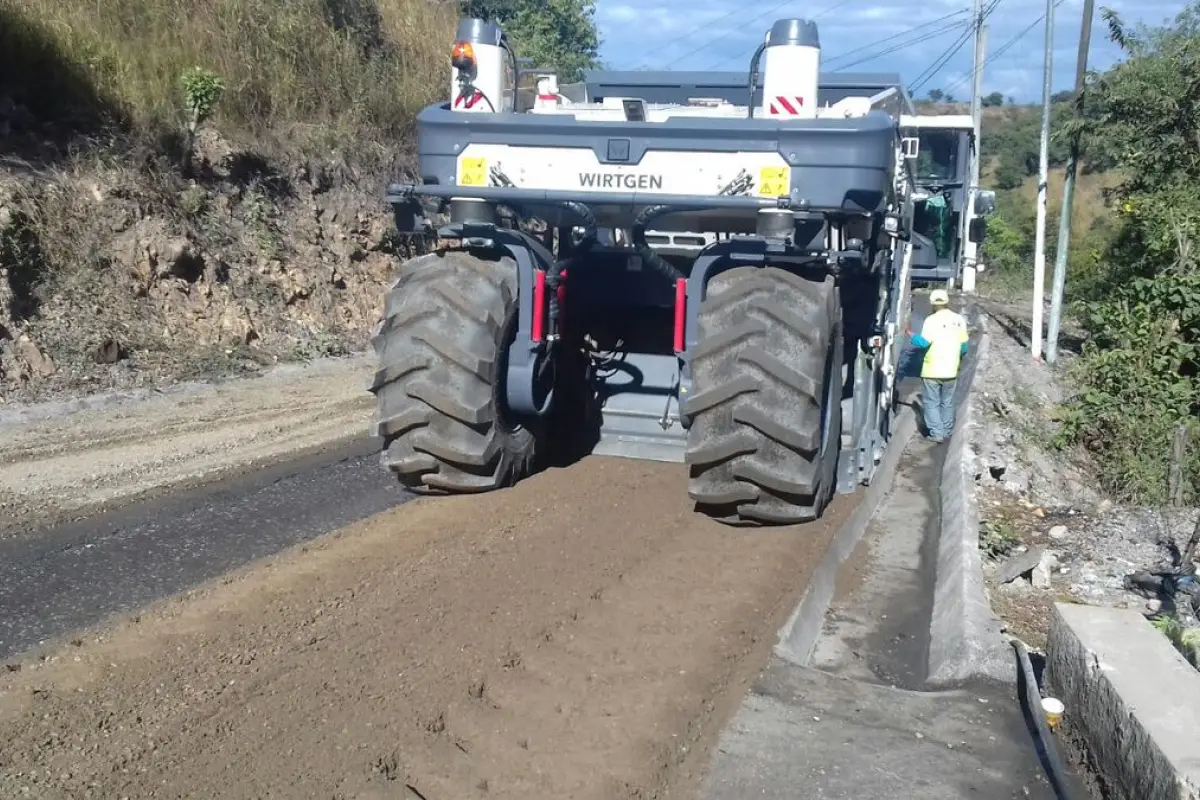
(462, 56)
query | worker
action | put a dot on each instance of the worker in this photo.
(944, 339)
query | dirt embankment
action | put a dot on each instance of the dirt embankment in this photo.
(1049, 533)
(67, 459)
(537, 642)
(120, 272)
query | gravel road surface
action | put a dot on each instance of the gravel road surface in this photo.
(63, 461)
(543, 641)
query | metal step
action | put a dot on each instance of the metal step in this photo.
(638, 397)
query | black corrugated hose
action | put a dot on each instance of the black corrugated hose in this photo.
(1056, 771)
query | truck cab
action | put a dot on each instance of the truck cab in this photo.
(947, 216)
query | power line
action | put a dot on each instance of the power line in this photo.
(732, 30)
(704, 26)
(939, 63)
(958, 83)
(738, 29)
(903, 45)
(902, 34)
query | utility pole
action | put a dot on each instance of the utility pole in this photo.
(1039, 255)
(971, 249)
(1068, 199)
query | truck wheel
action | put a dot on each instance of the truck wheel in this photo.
(766, 397)
(443, 353)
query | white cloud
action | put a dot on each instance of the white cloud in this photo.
(722, 34)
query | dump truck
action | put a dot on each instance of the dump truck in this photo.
(696, 268)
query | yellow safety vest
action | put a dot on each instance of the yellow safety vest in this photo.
(946, 332)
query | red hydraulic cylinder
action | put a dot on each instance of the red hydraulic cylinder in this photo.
(539, 305)
(680, 312)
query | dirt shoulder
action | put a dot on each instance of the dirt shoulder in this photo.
(536, 642)
(1049, 533)
(70, 459)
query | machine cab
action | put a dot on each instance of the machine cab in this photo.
(939, 150)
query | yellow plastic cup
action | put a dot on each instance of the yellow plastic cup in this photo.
(1053, 709)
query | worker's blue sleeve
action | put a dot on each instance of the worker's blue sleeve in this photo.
(920, 341)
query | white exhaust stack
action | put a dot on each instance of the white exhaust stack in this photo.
(791, 62)
(479, 69)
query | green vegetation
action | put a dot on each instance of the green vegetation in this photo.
(1140, 304)
(1133, 281)
(558, 34)
(305, 70)
(1186, 640)
(327, 73)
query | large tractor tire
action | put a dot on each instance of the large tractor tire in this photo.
(766, 397)
(442, 348)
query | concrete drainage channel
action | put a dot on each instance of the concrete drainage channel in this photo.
(891, 678)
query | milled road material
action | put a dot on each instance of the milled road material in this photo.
(64, 461)
(78, 575)
(543, 641)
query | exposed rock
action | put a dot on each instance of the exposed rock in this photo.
(108, 352)
(1040, 576)
(38, 362)
(1019, 565)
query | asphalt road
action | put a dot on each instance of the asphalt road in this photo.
(75, 576)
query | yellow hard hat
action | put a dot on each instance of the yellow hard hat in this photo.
(939, 297)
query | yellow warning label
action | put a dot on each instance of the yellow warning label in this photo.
(472, 172)
(774, 181)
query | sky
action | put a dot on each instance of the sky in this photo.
(723, 34)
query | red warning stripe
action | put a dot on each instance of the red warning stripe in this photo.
(468, 101)
(789, 105)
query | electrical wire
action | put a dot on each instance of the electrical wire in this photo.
(970, 76)
(899, 35)
(940, 63)
(701, 27)
(732, 30)
(741, 27)
(922, 36)
(903, 45)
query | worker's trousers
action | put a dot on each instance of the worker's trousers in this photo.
(938, 404)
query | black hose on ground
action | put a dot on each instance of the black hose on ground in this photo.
(653, 259)
(1031, 698)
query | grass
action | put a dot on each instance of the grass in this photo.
(303, 72)
(1185, 640)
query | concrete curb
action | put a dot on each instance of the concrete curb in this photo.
(798, 637)
(1132, 697)
(964, 635)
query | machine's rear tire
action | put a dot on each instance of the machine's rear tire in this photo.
(766, 397)
(442, 349)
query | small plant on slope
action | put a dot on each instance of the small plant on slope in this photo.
(202, 91)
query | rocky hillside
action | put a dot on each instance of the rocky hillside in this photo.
(135, 253)
(116, 278)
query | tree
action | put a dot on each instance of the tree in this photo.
(936, 95)
(1141, 310)
(992, 100)
(554, 34)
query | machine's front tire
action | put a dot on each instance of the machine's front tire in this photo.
(766, 397)
(442, 349)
